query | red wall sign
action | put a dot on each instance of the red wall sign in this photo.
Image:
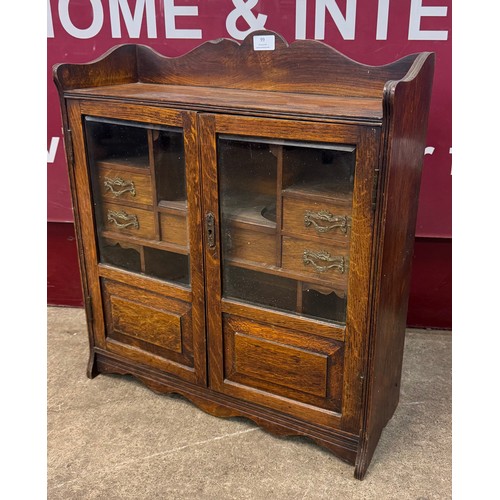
(370, 31)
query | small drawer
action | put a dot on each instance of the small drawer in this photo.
(123, 186)
(251, 244)
(306, 217)
(129, 221)
(325, 261)
(174, 228)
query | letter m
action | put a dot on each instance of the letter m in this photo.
(133, 22)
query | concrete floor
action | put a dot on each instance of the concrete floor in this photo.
(112, 438)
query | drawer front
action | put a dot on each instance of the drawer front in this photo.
(325, 261)
(174, 229)
(129, 221)
(251, 245)
(123, 186)
(306, 217)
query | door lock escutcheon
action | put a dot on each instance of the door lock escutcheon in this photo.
(210, 229)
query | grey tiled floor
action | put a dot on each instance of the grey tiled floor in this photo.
(112, 438)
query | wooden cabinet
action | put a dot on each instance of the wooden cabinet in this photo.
(245, 222)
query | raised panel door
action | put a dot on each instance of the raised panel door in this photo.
(140, 173)
(288, 263)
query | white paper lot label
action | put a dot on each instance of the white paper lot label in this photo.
(263, 42)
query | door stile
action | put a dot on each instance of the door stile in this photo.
(84, 199)
(210, 198)
(193, 188)
(357, 323)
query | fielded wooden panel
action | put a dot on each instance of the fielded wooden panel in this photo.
(162, 328)
(148, 321)
(283, 362)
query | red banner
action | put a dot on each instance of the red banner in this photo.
(369, 31)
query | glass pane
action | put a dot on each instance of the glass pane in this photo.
(139, 194)
(285, 224)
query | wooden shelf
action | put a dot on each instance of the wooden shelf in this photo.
(160, 245)
(319, 190)
(277, 271)
(277, 103)
(172, 206)
(249, 211)
(137, 164)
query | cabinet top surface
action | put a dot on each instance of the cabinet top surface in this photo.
(238, 101)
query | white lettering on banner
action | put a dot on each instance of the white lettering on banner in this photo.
(429, 150)
(300, 19)
(382, 19)
(346, 25)
(171, 12)
(50, 24)
(243, 9)
(71, 29)
(132, 22)
(417, 11)
(133, 14)
(51, 152)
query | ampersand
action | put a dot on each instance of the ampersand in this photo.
(244, 9)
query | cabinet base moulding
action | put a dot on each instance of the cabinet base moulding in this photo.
(342, 445)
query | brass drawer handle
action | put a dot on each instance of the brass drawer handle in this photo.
(309, 257)
(324, 216)
(119, 186)
(122, 219)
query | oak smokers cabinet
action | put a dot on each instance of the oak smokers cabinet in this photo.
(245, 223)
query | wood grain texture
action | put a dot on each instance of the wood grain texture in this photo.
(340, 443)
(162, 328)
(226, 63)
(407, 107)
(130, 221)
(283, 362)
(118, 65)
(289, 373)
(266, 103)
(196, 249)
(110, 181)
(149, 324)
(248, 243)
(295, 212)
(293, 260)
(284, 320)
(81, 187)
(173, 228)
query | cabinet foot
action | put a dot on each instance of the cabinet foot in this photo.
(92, 371)
(365, 453)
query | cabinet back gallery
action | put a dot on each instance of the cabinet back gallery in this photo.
(245, 222)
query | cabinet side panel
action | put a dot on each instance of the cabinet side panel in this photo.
(407, 108)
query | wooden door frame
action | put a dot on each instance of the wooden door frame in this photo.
(81, 184)
(366, 140)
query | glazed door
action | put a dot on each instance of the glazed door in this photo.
(288, 226)
(139, 166)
